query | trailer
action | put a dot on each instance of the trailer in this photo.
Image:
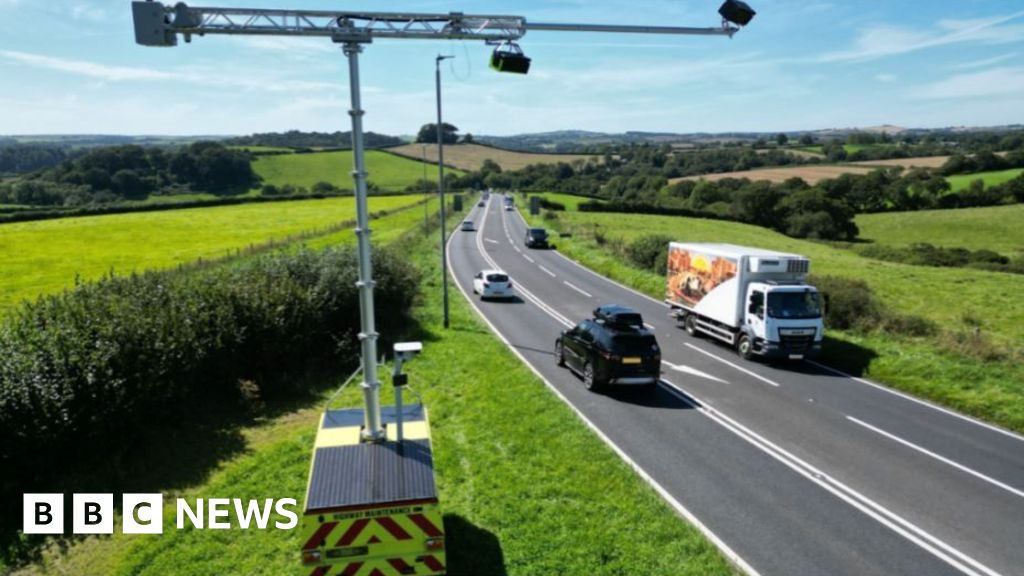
(755, 300)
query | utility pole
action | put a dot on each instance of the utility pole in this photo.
(440, 185)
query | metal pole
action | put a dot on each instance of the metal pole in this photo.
(426, 194)
(373, 431)
(440, 184)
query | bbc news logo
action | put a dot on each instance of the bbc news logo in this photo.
(144, 514)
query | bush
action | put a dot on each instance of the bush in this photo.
(550, 205)
(649, 252)
(924, 254)
(849, 304)
(84, 374)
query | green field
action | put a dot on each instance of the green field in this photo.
(46, 256)
(508, 509)
(258, 149)
(963, 181)
(850, 148)
(387, 171)
(994, 228)
(569, 201)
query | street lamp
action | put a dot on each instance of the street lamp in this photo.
(440, 183)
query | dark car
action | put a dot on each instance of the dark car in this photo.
(480, 204)
(536, 238)
(611, 348)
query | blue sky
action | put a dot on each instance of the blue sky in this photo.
(71, 66)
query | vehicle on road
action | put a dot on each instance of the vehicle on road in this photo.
(536, 238)
(492, 284)
(467, 226)
(755, 300)
(509, 202)
(480, 204)
(613, 347)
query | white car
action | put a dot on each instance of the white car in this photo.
(467, 226)
(492, 284)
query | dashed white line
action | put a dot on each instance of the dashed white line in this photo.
(491, 241)
(943, 459)
(528, 258)
(577, 288)
(546, 271)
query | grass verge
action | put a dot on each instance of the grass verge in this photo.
(526, 487)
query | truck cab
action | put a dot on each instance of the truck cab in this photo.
(781, 321)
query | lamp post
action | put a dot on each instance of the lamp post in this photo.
(440, 184)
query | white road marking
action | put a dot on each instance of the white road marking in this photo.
(528, 258)
(649, 327)
(736, 366)
(546, 271)
(693, 371)
(943, 459)
(491, 241)
(947, 411)
(577, 288)
(517, 249)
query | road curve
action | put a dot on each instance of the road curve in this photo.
(791, 470)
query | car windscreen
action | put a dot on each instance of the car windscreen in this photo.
(803, 305)
(633, 344)
(538, 233)
(497, 278)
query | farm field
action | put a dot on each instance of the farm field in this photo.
(472, 156)
(508, 509)
(810, 174)
(47, 256)
(387, 171)
(850, 148)
(922, 162)
(963, 181)
(994, 228)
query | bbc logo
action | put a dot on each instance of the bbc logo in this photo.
(93, 514)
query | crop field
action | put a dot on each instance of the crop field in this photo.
(387, 171)
(508, 509)
(568, 200)
(472, 156)
(922, 162)
(994, 228)
(963, 181)
(810, 174)
(850, 148)
(47, 256)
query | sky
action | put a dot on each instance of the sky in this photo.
(72, 67)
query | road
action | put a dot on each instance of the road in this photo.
(790, 470)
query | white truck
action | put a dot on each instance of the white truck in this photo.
(755, 300)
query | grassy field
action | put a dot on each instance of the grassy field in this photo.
(508, 508)
(472, 156)
(994, 228)
(811, 174)
(963, 181)
(258, 149)
(47, 256)
(569, 201)
(850, 148)
(387, 171)
(957, 300)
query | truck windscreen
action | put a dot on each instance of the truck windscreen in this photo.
(794, 305)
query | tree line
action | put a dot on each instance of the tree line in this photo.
(297, 139)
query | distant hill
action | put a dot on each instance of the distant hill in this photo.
(297, 139)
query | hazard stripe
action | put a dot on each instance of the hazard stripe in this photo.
(426, 525)
(353, 531)
(391, 526)
(377, 572)
(352, 569)
(401, 566)
(319, 536)
(321, 571)
(433, 563)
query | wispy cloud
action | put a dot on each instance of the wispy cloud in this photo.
(888, 40)
(988, 83)
(86, 68)
(886, 78)
(983, 63)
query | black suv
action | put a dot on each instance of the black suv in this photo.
(536, 238)
(611, 348)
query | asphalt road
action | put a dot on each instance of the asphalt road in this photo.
(791, 470)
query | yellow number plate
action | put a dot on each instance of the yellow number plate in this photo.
(631, 360)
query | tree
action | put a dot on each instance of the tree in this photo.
(128, 184)
(428, 134)
(781, 139)
(807, 139)
(467, 138)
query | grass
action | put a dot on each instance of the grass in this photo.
(516, 501)
(850, 148)
(472, 156)
(258, 149)
(47, 256)
(963, 181)
(994, 228)
(958, 300)
(388, 171)
(568, 200)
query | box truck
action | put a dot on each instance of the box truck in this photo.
(755, 300)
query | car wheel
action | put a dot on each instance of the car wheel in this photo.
(690, 325)
(559, 354)
(590, 378)
(745, 348)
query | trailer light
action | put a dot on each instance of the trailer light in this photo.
(435, 544)
(311, 557)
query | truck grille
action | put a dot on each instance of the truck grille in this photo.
(796, 343)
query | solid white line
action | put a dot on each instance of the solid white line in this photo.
(546, 271)
(491, 241)
(905, 396)
(577, 288)
(528, 258)
(943, 459)
(876, 511)
(727, 551)
(736, 366)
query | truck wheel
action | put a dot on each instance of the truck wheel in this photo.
(745, 348)
(559, 354)
(690, 325)
(590, 379)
